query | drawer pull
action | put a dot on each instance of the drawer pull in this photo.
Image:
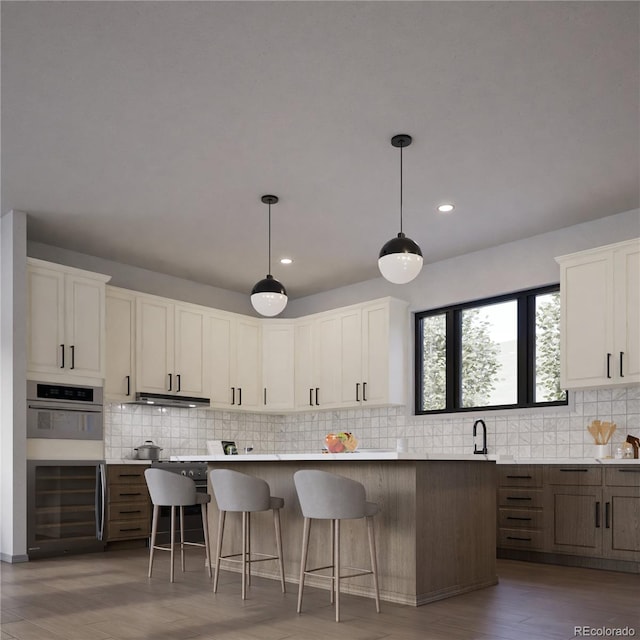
(517, 518)
(518, 538)
(128, 475)
(629, 470)
(131, 494)
(574, 470)
(131, 511)
(519, 498)
(520, 477)
(132, 529)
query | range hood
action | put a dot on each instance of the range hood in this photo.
(166, 400)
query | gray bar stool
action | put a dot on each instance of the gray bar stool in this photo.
(168, 489)
(239, 492)
(325, 496)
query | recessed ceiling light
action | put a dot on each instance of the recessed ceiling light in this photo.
(286, 260)
(446, 208)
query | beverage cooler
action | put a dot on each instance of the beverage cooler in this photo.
(64, 507)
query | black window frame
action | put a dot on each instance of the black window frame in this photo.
(526, 332)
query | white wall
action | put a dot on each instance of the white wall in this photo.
(515, 266)
(13, 311)
(145, 281)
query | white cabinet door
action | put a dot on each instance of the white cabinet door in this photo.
(66, 324)
(246, 368)
(120, 329)
(627, 313)
(277, 365)
(219, 353)
(327, 353)
(375, 354)
(190, 363)
(45, 331)
(304, 365)
(600, 344)
(349, 364)
(154, 345)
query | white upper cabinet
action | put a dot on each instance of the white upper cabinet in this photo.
(352, 357)
(65, 324)
(170, 343)
(600, 321)
(233, 354)
(119, 383)
(278, 365)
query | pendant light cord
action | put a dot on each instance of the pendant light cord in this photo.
(400, 189)
(269, 270)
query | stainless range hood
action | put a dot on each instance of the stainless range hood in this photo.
(166, 400)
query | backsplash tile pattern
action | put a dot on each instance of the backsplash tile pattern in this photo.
(555, 432)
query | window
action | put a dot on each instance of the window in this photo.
(499, 353)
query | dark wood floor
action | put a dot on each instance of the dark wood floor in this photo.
(108, 597)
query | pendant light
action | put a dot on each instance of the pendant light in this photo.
(400, 259)
(269, 297)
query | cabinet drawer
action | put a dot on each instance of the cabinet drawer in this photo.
(131, 529)
(520, 497)
(520, 518)
(577, 475)
(126, 473)
(519, 475)
(128, 492)
(129, 511)
(628, 476)
(519, 539)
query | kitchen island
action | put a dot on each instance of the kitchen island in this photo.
(435, 533)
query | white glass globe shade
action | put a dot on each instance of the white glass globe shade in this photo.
(268, 303)
(400, 268)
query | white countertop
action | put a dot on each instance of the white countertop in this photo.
(373, 454)
(127, 461)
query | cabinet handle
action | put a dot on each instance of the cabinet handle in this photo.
(132, 529)
(357, 392)
(598, 514)
(574, 470)
(311, 397)
(239, 396)
(607, 515)
(73, 357)
(518, 518)
(519, 477)
(364, 391)
(128, 378)
(233, 395)
(178, 377)
(170, 381)
(518, 538)
(265, 395)
(621, 367)
(629, 470)
(318, 396)
(518, 498)
(608, 365)
(62, 352)
(130, 511)
(131, 494)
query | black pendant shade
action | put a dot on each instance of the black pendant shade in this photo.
(269, 285)
(401, 244)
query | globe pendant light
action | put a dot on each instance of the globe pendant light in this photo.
(400, 259)
(269, 297)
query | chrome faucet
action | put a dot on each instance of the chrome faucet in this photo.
(482, 451)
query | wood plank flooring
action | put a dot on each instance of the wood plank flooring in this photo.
(108, 597)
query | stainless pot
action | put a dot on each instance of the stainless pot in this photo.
(148, 451)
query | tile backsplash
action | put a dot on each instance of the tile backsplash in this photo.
(554, 432)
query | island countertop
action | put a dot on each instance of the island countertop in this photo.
(358, 456)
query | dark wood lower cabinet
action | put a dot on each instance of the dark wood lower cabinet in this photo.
(585, 515)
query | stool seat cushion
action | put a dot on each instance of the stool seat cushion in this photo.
(203, 498)
(170, 489)
(235, 491)
(370, 509)
(276, 503)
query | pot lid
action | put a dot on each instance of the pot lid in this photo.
(148, 444)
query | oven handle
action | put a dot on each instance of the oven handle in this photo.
(61, 407)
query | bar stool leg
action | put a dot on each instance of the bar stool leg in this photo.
(182, 538)
(173, 540)
(249, 548)
(336, 561)
(333, 564)
(221, 518)
(276, 524)
(244, 555)
(205, 530)
(154, 531)
(303, 560)
(374, 563)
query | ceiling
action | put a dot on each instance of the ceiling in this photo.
(146, 132)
